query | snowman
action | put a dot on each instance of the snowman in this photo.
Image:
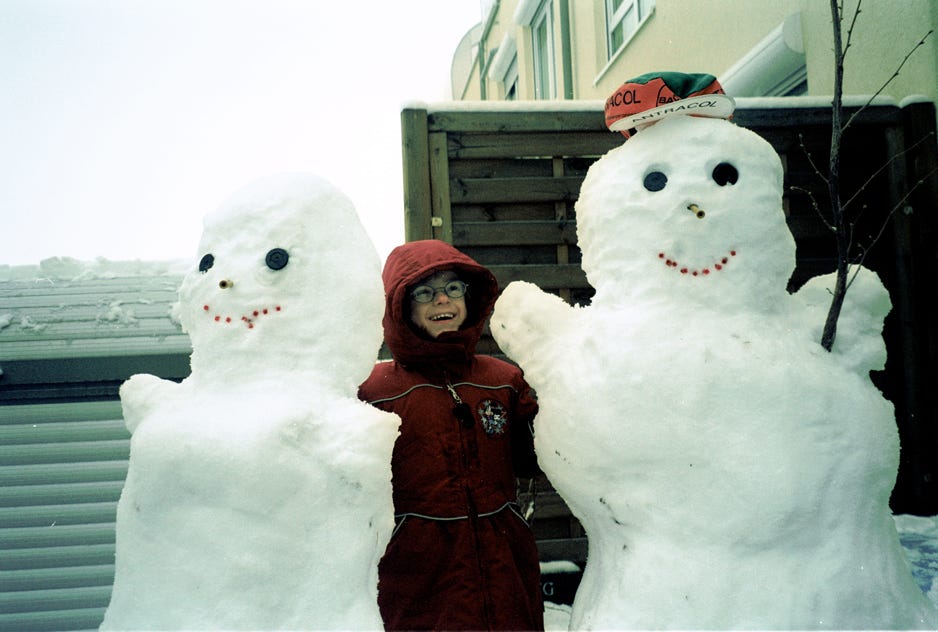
(258, 494)
(729, 472)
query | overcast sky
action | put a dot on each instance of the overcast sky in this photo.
(123, 122)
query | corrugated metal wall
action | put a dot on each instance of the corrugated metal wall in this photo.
(70, 334)
(62, 467)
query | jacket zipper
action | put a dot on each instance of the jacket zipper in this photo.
(463, 414)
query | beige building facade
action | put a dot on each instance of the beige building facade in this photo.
(585, 49)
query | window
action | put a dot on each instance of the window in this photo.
(510, 81)
(623, 17)
(542, 30)
(503, 68)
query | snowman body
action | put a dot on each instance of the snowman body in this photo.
(728, 471)
(258, 494)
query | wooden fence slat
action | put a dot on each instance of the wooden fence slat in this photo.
(502, 167)
(465, 146)
(514, 233)
(507, 212)
(509, 190)
(547, 277)
(572, 549)
(801, 117)
(588, 118)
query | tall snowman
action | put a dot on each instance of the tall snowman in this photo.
(259, 492)
(728, 471)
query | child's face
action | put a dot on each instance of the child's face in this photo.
(441, 313)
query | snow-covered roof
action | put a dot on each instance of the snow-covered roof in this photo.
(70, 321)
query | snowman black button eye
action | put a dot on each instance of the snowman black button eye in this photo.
(655, 181)
(277, 259)
(206, 263)
(725, 173)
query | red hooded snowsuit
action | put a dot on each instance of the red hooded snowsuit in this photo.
(461, 556)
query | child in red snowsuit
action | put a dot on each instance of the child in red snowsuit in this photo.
(461, 557)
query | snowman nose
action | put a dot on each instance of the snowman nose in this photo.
(225, 284)
(696, 210)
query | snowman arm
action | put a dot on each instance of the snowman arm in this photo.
(524, 317)
(858, 341)
(140, 395)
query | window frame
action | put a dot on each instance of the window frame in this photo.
(542, 51)
(621, 16)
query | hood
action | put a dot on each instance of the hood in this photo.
(408, 264)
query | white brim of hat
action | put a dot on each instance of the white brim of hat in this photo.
(707, 105)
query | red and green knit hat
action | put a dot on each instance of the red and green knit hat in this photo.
(655, 95)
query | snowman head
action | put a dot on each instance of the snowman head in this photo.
(285, 279)
(687, 209)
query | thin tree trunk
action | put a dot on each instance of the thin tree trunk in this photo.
(833, 187)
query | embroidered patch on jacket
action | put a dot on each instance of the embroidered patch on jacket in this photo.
(494, 417)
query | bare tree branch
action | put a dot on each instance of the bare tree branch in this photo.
(814, 205)
(900, 204)
(811, 162)
(883, 167)
(853, 23)
(895, 74)
(833, 184)
(844, 234)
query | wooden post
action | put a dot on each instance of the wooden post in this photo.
(916, 230)
(560, 214)
(441, 208)
(417, 192)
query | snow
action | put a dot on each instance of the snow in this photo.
(513, 106)
(743, 467)
(56, 269)
(913, 99)
(918, 534)
(258, 494)
(728, 471)
(814, 101)
(588, 105)
(919, 537)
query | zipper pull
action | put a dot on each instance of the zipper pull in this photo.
(452, 391)
(462, 411)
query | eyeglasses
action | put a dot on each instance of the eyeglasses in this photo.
(426, 293)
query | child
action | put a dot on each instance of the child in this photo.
(461, 557)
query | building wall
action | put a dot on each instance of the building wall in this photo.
(687, 37)
(886, 31)
(712, 35)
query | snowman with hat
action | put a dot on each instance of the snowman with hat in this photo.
(729, 472)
